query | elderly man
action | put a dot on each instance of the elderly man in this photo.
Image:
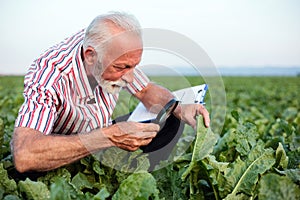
(73, 88)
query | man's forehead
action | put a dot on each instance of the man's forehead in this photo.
(123, 44)
(133, 56)
(126, 40)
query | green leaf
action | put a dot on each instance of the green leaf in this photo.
(11, 197)
(102, 194)
(80, 181)
(1, 133)
(236, 141)
(33, 190)
(281, 159)
(137, 161)
(204, 145)
(294, 158)
(51, 176)
(242, 176)
(205, 141)
(277, 187)
(61, 189)
(137, 186)
(97, 168)
(294, 175)
(113, 157)
(169, 182)
(8, 186)
(239, 196)
(143, 163)
(215, 168)
(235, 115)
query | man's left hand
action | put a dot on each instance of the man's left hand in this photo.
(189, 112)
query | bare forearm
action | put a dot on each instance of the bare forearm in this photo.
(154, 97)
(36, 152)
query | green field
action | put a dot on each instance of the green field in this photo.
(255, 153)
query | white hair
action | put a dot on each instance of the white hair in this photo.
(99, 31)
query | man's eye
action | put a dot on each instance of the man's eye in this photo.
(119, 68)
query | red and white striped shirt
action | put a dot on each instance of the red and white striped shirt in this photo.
(58, 94)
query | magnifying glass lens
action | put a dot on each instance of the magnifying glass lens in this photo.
(166, 111)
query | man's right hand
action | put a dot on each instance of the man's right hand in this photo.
(131, 135)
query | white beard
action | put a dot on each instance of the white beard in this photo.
(112, 87)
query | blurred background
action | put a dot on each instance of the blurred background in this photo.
(241, 37)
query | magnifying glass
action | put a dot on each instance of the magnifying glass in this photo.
(165, 113)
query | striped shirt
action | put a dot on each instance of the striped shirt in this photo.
(58, 96)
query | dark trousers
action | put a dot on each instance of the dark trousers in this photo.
(161, 146)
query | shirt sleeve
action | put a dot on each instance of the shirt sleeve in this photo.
(139, 83)
(38, 110)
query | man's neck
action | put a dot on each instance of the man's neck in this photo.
(88, 69)
(93, 82)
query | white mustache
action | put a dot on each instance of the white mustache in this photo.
(119, 83)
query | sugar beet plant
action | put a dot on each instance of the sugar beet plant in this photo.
(256, 156)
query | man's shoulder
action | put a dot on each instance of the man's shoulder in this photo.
(56, 62)
(63, 48)
(69, 42)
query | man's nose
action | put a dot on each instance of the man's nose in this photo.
(128, 76)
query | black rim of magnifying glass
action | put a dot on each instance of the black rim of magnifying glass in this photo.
(166, 111)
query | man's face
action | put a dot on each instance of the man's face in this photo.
(121, 56)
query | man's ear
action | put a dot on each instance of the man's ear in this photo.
(90, 55)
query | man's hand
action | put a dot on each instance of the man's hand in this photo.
(189, 112)
(154, 95)
(131, 135)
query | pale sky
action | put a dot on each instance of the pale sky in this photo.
(232, 32)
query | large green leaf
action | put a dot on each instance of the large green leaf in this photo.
(114, 157)
(239, 139)
(204, 145)
(7, 185)
(80, 181)
(61, 189)
(33, 190)
(273, 186)
(140, 186)
(51, 176)
(169, 182)
(281, 159)
(102, 194)
(261, 110)
(215, 171)
(242, 176)
(293, 174)
(1, 134)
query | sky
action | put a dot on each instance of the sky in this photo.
(233, 33)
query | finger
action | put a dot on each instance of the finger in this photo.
(144, 135)
(150, 127)
(136, 140)
(146, 141)
(127, 148)
(133, 145)
(202, 110)
(206, 119)
(128, 143)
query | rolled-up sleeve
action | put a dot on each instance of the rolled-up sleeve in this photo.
(139, 83)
